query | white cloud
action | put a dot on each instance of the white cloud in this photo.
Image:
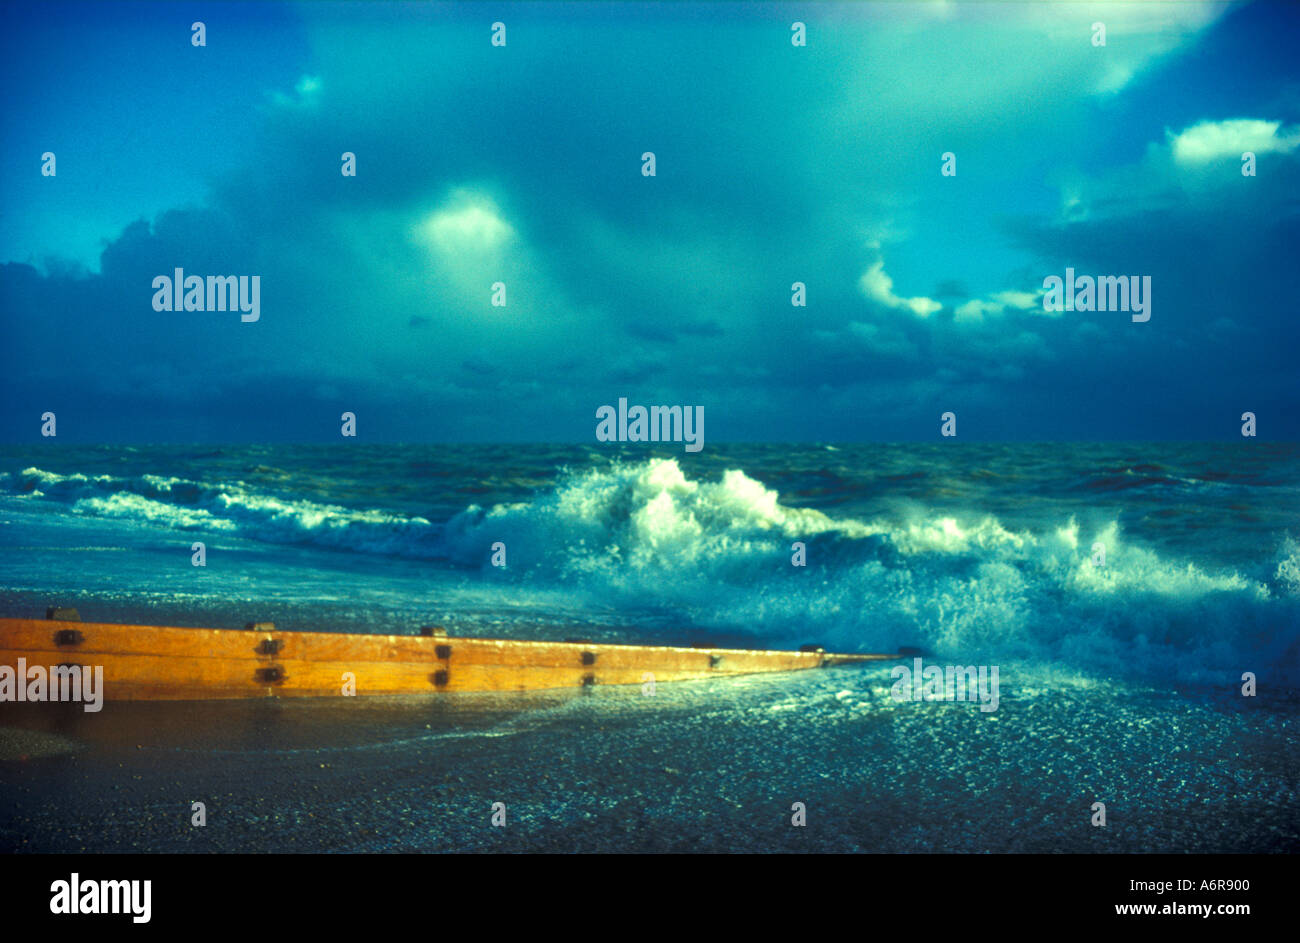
(1194, 168)
(974, 311)
(1212, 140)
(467, 223)
(998, 303)
(878, 286)
(1138, 35)
(1017, 299)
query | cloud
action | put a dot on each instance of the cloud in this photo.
(879, 287)
(1195, 170)
(467, 223)
(476, 165)
(999, 303)
(1139, 35)
(1213, 140)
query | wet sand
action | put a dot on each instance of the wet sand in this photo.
(708, 766)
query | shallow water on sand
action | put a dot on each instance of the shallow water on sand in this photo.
(709, 766)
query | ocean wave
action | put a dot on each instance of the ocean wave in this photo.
(717, 555)
(232, 508)
(721, 553)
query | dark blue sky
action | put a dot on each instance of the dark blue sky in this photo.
(775, 164)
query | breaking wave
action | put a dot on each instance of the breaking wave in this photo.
(718, 555)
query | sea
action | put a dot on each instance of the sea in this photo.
(1141, 602)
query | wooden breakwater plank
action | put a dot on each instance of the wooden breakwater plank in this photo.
(41, 635)
(181, 677)
(168, 662)
(172, 677)
(110, 638)
(38, 635)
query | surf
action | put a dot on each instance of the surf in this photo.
(713, 554)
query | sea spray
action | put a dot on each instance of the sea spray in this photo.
(985, 573)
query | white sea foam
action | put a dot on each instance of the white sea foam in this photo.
(717, 555)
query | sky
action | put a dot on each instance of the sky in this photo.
(774, 164)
